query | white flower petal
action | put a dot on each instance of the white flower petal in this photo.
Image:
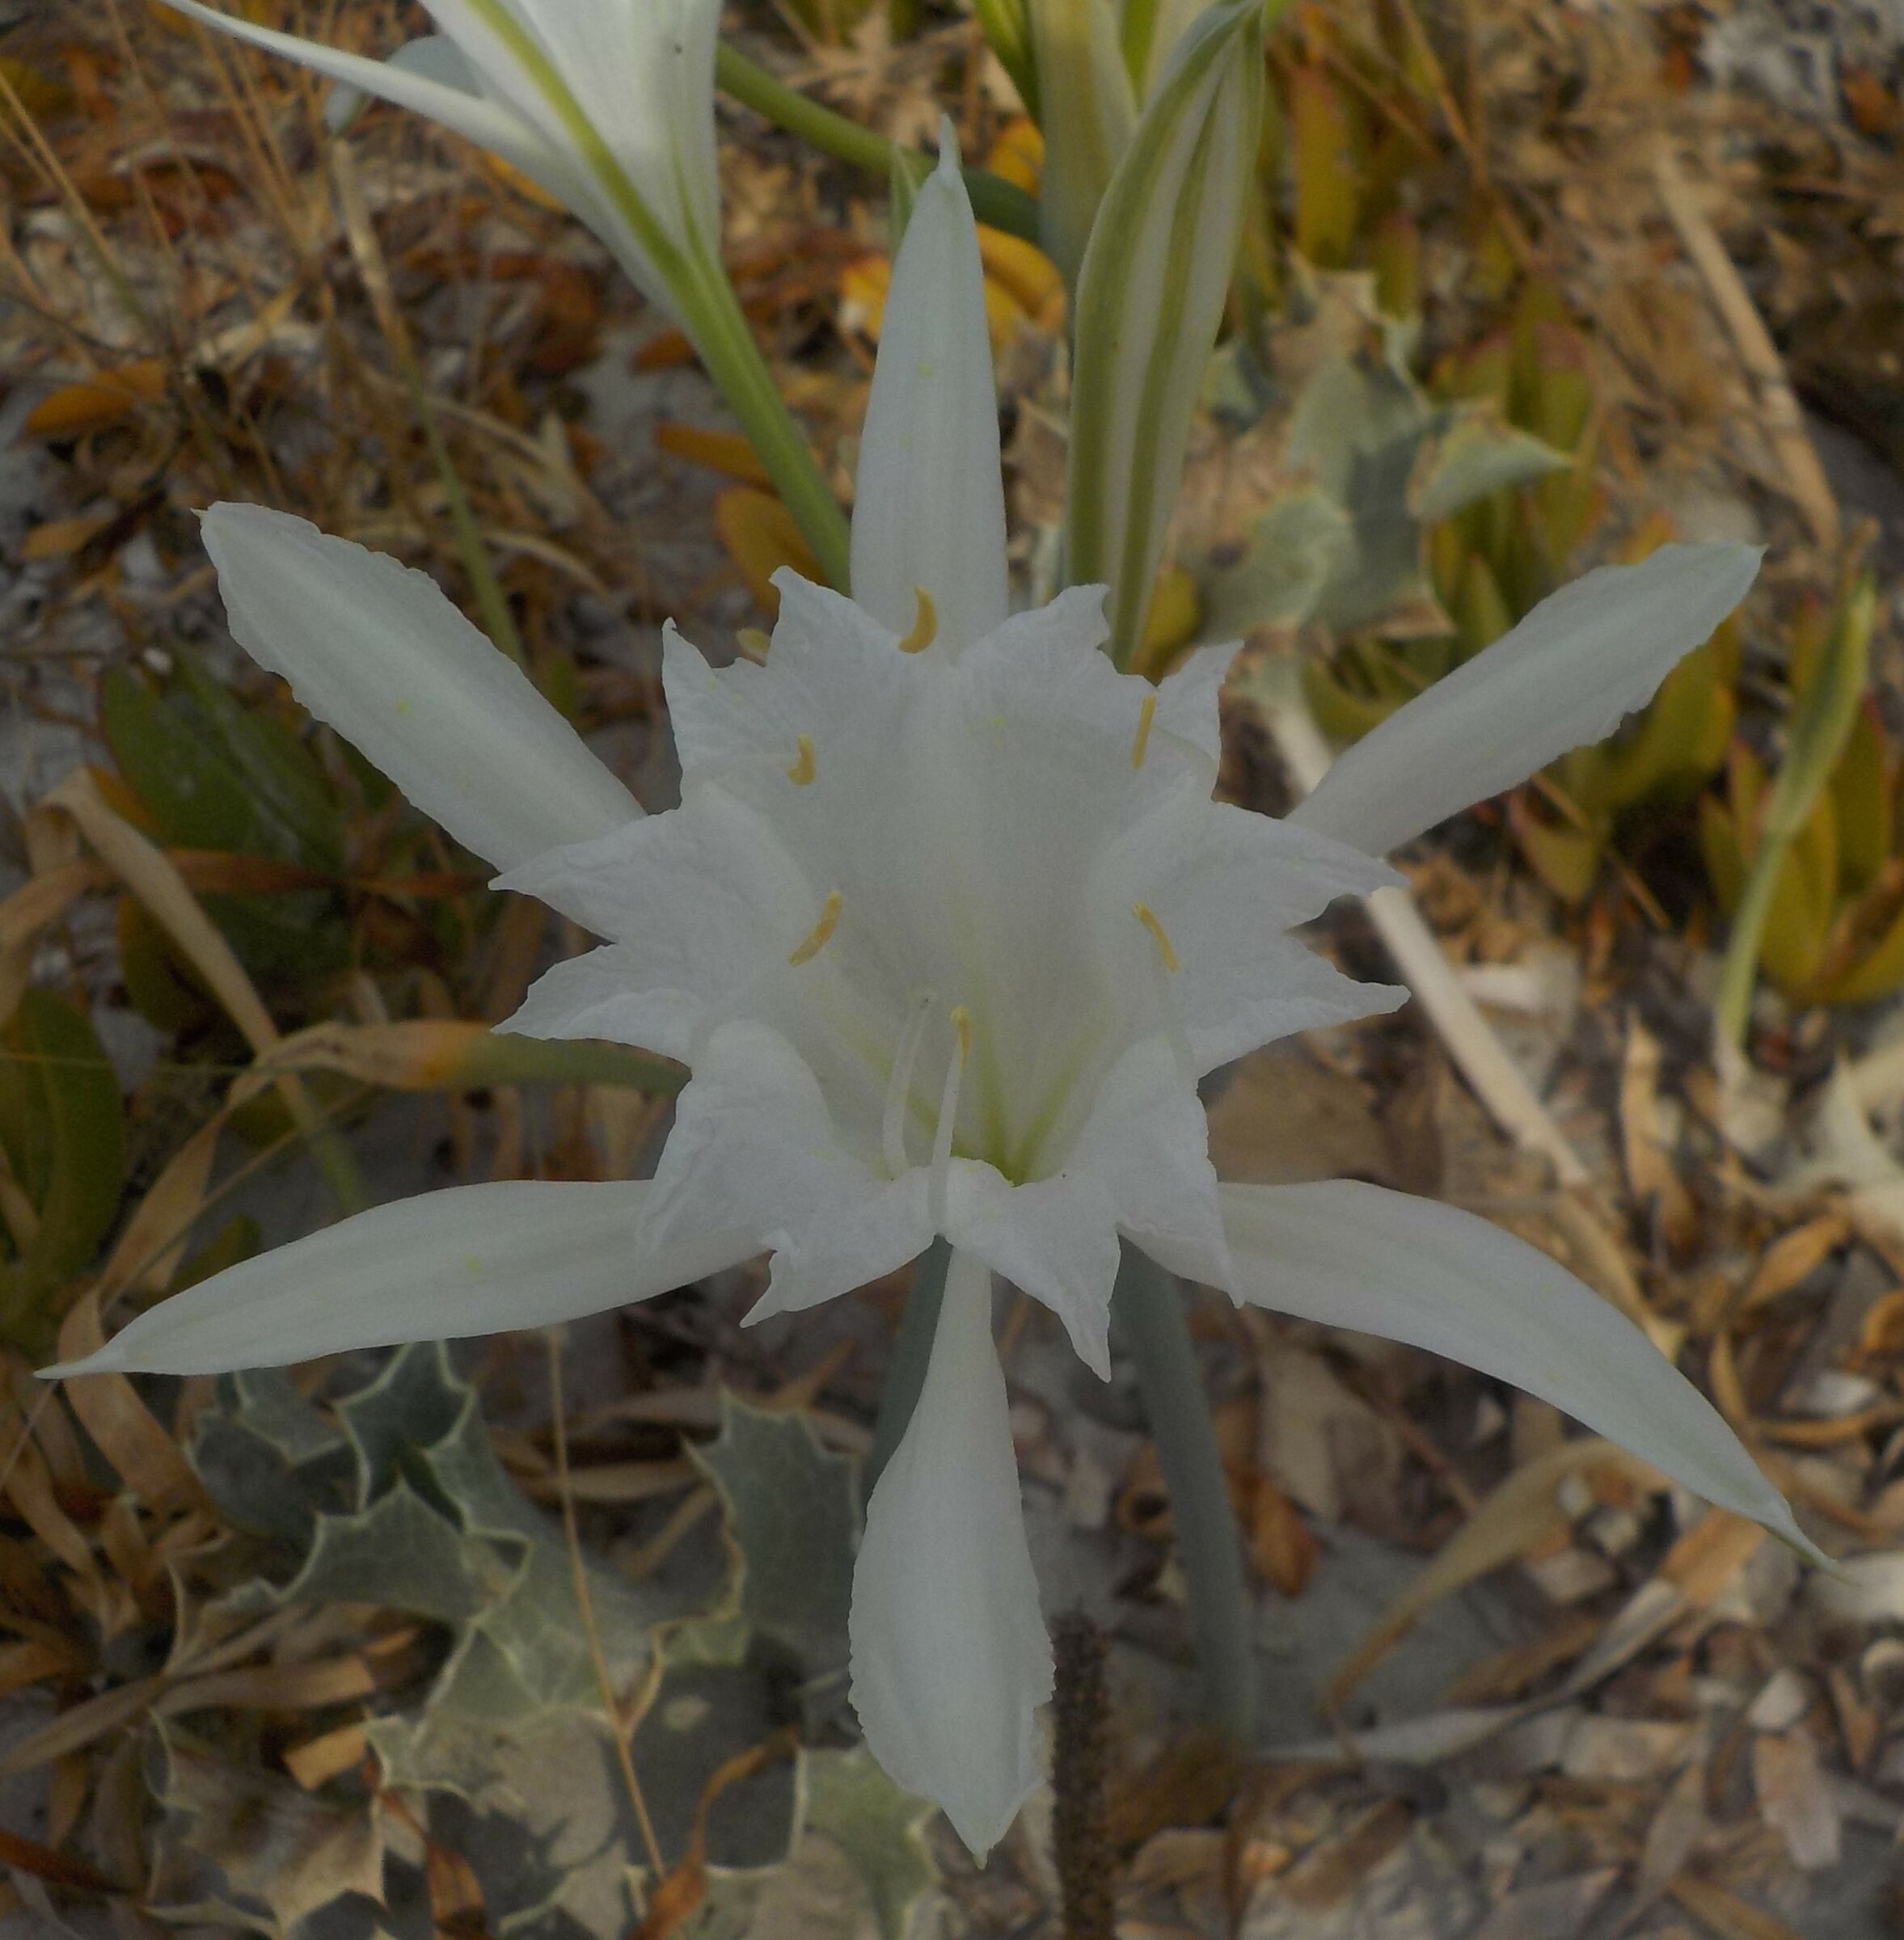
(1056, 1238)
(378, 652)
(755, 1148)
(950, 1659)
(699, 901)
(1187, 697)
(834, 676)
(425, 90)
(643, 73)
(1047, 668)
(472, 1259)
(1563, 678)
(719, 716)
(434, 57)
(1358, 1256)
(1148, 1140)
(615, 994)
(1225, 885)
(929, 507)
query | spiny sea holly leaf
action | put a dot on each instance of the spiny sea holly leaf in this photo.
(792, 1517)
(1367, 444)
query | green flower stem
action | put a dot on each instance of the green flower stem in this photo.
(995, 201)
(912, 1349)
(491, 602)
(718, 327)
(1732, 1009)
(707, 307)
(1821, 722)
(1149, 1309)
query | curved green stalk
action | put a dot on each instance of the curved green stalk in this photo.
(1821, 724)
(710, 312)
(1149, 1309)
(719, 329)
(996, 202)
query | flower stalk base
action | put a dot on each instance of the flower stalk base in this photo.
(1148, 1310)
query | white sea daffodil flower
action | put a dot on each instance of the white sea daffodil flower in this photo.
(948, 928)
(607, 104)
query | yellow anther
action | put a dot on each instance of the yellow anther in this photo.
(1146, 915)
(802, 770)
(752, 642)
(815, 943)
(925, 625)
(1146, 715)
(961, 1022)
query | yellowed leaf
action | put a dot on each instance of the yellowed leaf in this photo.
(761, 536)
(727, 452)
(94, 403)
(60, 538)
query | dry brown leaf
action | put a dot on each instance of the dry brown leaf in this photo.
(1516, 1516)
(1858, 1723)
(1508, 1673)
(1672, 1835)
(1559, 1910)
(1282, 1545)
(726, 452)
(1650, 1176)
(1284, 1119)
(326, 1756)
(1794, 1799)
(271, 1687)
(761, 536)
(1622, 1751)
(1703, 1563)
(1190, 1782)
(679, 1894)
(1729, 1917)
(147, 1460)
(1330, 1871)
(148, 1250)
(56, 1868)
(60, 538)
(1792, 1257)
(41, 899)
(81, 1725)
(97, 403)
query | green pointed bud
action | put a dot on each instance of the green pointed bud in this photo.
(1150, 298)
(1088, 113)
(1007, 29)
(1149, 30)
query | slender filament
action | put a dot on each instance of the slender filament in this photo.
(1146, 716)
(948, 1116)
(899, 1084)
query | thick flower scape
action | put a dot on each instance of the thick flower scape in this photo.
(947, 928)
